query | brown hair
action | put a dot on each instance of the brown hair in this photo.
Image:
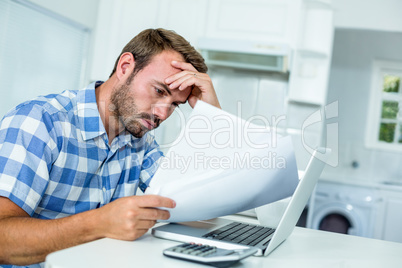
(151, 42)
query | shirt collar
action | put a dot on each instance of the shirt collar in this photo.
(125, 138)
(90, 122)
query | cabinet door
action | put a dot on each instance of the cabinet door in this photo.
(273, 21)
(118, 22)
(309, 78)
(393, 220)
(186, 18)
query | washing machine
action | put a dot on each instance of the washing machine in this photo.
(343, 208)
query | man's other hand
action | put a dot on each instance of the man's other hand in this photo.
(130, 217)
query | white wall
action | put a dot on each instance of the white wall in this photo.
(382, 15)
(350, 78)
(84, 12)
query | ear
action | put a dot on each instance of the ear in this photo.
(125, 66)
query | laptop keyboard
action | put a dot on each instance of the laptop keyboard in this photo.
(241, 233)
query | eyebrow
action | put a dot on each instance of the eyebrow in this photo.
(164, 86)
(168, 90)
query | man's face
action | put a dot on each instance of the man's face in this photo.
(144, 102)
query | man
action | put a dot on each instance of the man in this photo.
(70, 164)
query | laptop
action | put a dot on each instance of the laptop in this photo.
(228, 234)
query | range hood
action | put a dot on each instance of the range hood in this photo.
(245, 54)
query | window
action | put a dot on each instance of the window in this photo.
(41, 53)
(385, 110)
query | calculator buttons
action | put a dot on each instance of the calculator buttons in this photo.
(207, 254)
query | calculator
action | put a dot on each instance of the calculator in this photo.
(209, 255)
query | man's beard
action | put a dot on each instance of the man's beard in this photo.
(126, 112)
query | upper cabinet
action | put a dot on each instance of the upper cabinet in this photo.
(269, 21)
(307, 108)
(120, 20)
(312, 53)
(303, 26)
(264, 21)
(187, 18)
(315, 32)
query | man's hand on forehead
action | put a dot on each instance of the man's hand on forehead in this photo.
(201, 84)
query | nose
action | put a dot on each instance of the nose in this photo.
(162, 111)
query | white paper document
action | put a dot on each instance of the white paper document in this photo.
(222, 164)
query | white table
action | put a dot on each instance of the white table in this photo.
(304, 248)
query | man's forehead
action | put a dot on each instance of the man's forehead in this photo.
(169, 56)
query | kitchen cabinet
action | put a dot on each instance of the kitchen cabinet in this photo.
(121, 20)
(187, 18)
(270, 21)
(393, 220)
(390, 218)
(118, 21)
(308, 82)
(266, 21)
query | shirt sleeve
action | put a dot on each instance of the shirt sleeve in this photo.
(150, 162)
(26, 146)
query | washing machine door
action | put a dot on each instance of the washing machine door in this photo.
(339, 218)
(335, 222)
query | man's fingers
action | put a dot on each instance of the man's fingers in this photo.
(153, 214)
(191, 78)
(184, 81)
(145, 224)
(174, 80)
(188, 71)
(184, 66)
(152, 201)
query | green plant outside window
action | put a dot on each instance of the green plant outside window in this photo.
(387, 131)
(391, 83)
(389, 109)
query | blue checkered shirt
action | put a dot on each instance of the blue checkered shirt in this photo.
(55, 159)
